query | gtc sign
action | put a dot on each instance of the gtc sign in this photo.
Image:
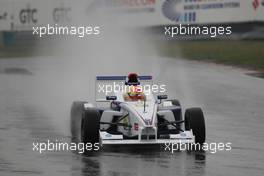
(28, 15)
(61, 14)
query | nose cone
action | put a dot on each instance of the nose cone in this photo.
(147, 113)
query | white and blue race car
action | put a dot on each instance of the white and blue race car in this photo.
(134, 117)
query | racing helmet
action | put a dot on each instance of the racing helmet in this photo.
(132, 79)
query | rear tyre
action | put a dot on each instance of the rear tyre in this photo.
(90, 127)
(194, 119)
(77, 109)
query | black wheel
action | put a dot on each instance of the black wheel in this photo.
(90, 126)
(77, 109)
(194, 119)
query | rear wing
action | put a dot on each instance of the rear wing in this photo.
(109, 85)
(121, 78)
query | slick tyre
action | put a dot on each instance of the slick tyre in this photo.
(90, 127)
(194, 119)
(77, 110)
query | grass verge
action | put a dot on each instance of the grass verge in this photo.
(245, 54)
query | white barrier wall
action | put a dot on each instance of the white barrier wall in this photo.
(23, 14)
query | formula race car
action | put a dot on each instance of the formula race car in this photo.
(133, 116)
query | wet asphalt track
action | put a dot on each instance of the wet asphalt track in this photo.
(35, 98)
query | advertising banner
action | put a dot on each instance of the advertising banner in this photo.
(163, 12)
(24, 14)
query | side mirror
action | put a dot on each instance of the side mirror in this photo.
(162, 97)
(111, 98)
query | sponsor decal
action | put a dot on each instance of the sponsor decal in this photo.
(255, 4)
(28, 15)
(182, 134)
(136, 126)
(148, 121)
(108, 135)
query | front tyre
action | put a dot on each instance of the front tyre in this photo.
(90, 127)
(77, 110)
(194, 119)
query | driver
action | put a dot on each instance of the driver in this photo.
(135, 90)
(133, 79)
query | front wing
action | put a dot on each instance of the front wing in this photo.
(183, 137)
